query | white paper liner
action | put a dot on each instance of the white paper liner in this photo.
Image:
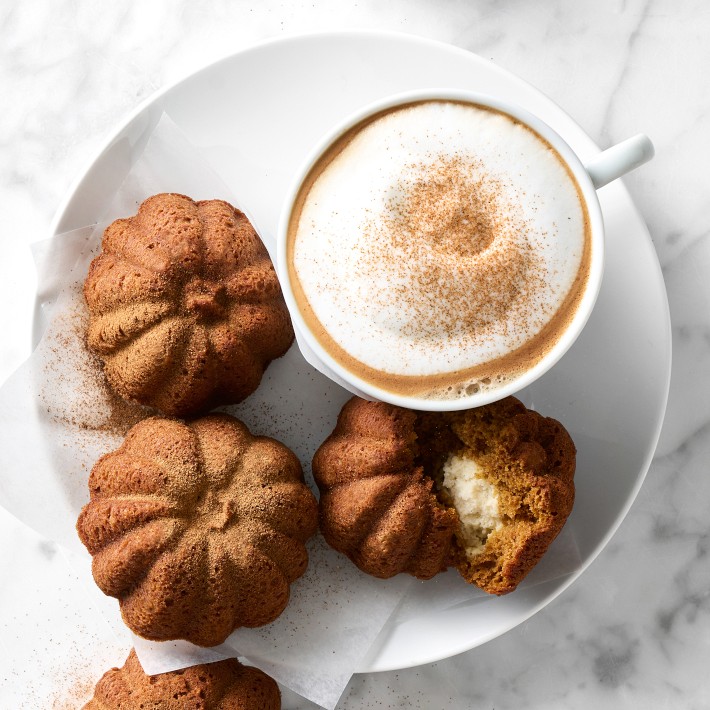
(55, 417)
(312, 359)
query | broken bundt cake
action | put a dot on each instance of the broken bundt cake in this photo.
(197, 528)
(224, 685)
(185, 310)
(485, 490)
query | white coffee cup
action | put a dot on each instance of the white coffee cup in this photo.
(607, 166)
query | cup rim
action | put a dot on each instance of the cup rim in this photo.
(575, 325)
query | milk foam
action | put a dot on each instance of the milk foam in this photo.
(363, 283)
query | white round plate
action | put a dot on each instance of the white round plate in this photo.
(257, 113)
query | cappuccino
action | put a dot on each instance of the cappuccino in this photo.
(439, 248)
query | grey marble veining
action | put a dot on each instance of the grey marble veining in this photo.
(634, 630)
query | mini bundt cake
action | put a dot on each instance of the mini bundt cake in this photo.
(485, 490)
(197, 529)
(224, 685)
(185, 310)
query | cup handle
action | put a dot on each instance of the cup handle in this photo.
(620, 159)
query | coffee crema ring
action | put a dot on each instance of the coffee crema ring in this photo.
(438, 246)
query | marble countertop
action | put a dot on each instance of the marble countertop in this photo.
(634, 630)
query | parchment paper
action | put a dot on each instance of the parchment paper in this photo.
(57, 418)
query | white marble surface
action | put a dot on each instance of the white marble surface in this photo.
(634, 630)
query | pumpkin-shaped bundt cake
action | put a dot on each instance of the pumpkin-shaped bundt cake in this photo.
(224, 685)
(185, 308)
(197, 528)
(485, 490)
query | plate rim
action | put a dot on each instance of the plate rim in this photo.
(295, 37)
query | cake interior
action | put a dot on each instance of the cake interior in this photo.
(465, 479)
(474, 498)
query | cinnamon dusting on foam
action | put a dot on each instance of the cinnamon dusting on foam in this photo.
(449, 246)
(451, 243)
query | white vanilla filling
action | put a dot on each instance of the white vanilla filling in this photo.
(475, 500)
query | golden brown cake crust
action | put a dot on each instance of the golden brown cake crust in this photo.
(376, 505)
(197, 528)
(380, 505)
(225, 685)
(185, 310)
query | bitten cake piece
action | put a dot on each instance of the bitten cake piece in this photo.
(185, 308)
(485, 490)
(197, 528)
(225, 685)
